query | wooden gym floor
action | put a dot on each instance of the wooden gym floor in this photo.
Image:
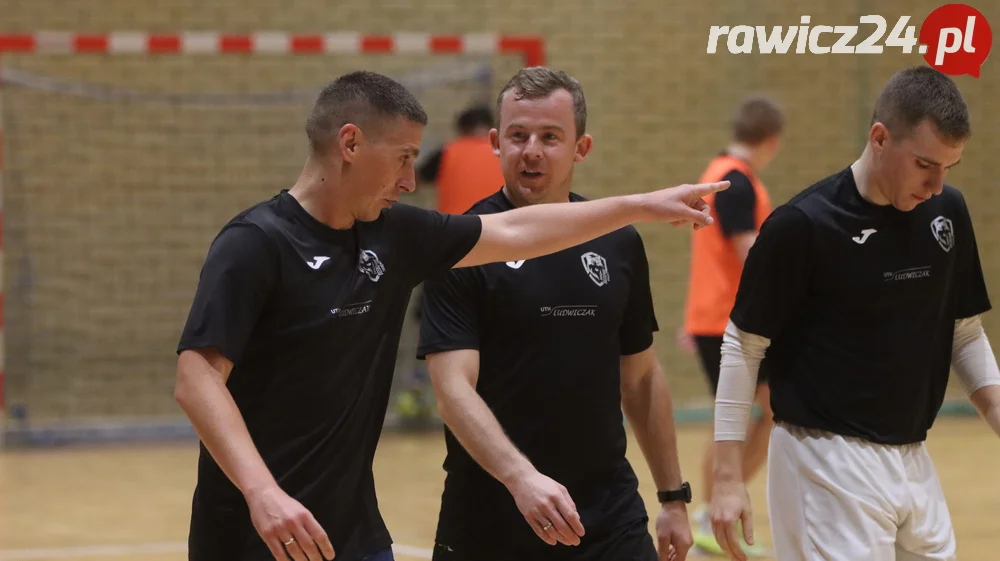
(132, 503)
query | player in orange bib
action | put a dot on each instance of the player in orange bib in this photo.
(717, 256)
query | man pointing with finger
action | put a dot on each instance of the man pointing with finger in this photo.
(532, 362)
(286, 359)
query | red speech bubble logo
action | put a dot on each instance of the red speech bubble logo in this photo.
(955, 39)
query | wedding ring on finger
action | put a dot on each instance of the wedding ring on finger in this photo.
(547, 526)
(289, 542)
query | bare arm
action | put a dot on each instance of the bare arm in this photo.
(647, 403)
(201, 392)
(532, 231)
(454, 375)
(977, 370)
(987, 402)
(544, 503)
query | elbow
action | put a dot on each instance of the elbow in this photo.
(986, 398)
(452, 401)
(443, 411)
(184, 382)
(446, 408)
(181, 386)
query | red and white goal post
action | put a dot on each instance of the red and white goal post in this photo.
(125, 130)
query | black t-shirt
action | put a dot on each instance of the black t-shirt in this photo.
(550, 333)
(310, 317)
(736, 206)
(860, 303)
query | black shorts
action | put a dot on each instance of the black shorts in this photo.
(710, 354)
(628, 543)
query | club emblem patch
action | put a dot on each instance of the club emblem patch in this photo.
(596, 267)
(944, 232)
(369, 264)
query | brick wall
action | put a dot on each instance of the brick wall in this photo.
(108, 223)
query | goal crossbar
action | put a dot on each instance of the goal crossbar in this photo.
(530, 48)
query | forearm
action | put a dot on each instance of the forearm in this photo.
(976, 367)
(987, 403)
(741, 357)
(478, 431)
(650, 412)
(536, 230)
(206, 401)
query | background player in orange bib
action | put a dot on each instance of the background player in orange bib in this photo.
(717, 256)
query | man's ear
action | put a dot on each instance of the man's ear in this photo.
(583, 147)
(349, 137)
(495, 141)
(877, 137)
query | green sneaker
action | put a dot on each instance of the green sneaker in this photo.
(701, 530)
(704, 538)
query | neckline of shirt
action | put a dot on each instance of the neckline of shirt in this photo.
(322, 230)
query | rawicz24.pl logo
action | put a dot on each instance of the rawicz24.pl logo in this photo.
(955, 38)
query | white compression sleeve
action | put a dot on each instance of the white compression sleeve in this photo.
(741, 356)
(972, 357)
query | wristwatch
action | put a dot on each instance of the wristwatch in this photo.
(682, 494)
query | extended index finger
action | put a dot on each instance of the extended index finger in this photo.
(702, 189)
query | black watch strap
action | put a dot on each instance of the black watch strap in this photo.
(682, 494)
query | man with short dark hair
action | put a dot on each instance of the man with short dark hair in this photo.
(717, 256)
(286, 359)
(533, 362)
(864, 290)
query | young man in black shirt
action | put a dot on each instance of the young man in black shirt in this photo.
(864, 290)
(532, 362)
(287, 356)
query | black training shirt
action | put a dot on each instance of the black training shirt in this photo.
(550, 333)
(310, 317)
(860, 303)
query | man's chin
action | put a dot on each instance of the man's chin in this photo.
(531, 194)
(372, 215)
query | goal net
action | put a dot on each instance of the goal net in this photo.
(118, 171)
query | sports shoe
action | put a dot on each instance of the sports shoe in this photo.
(704, 538)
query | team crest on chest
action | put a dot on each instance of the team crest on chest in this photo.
(369, 264)
(596, 267)
(944, 232)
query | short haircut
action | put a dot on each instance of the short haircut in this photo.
(757, 119)
(539, 82)
(474, 118)
(920, 93)
(362, 98)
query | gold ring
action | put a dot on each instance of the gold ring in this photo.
(547, 526)
(289, 542)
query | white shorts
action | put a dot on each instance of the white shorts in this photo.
(833, 498)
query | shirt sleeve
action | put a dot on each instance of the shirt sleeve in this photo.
(776, 274)
(639, 321)
(450, 312)
(969, 293)
(233, 288)
(433, 242)
(734, 207)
